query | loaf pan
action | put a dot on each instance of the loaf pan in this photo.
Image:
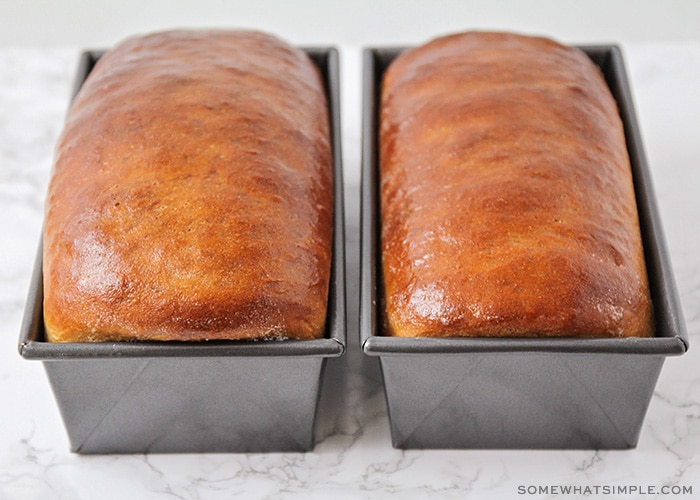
(517, 392)
(220, 396)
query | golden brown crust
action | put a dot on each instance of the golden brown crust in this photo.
(191, 196)
(507, 201)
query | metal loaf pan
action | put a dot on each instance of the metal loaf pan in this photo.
(222, 396)
(517, 392)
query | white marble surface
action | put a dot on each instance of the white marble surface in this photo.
(353, 458)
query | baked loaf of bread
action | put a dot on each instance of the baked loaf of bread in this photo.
(191, 196)
(507, 203)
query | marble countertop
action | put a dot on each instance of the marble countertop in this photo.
(353, 457)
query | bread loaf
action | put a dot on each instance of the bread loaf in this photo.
(191, 196)
(507, 202)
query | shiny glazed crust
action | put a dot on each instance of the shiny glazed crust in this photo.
(191, 196)
(507, 204)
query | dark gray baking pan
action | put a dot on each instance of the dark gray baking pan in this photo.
(517, 392)
(223, 396)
